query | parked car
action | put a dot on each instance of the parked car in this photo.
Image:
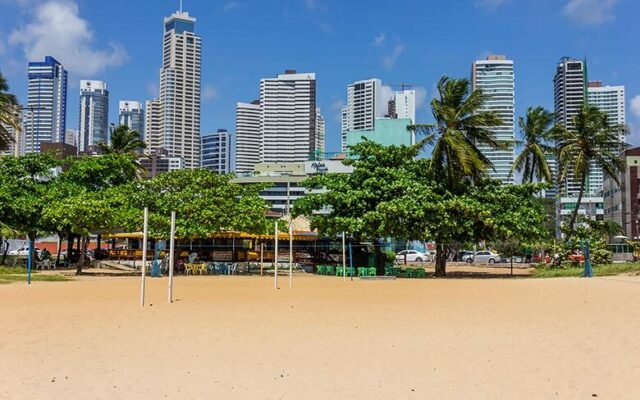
(412, 256)
(483, 257)
(462, 255)
(24, 251)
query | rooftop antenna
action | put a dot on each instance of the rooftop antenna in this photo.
(180, 6)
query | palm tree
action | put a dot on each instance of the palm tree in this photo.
(460, 127)
(537, 128)
(123, 141)
(593, 143)
(9, 114)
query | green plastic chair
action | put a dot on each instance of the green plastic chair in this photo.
(339, 271)
(362, 271)
(331, 270)
(420, 273)
(321, 269)
(372, 271)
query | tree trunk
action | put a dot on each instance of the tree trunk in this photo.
(441, 260)
(533, 169)
(69, 249)
(82, 244)
(60, 236)
(380, 257)
(574, 214)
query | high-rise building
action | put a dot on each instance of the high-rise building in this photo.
(288, 120)
(71, 137)
(404, 105)
(46, 114)
(570, 93)
(622, 200)
(94, 114)
(610, 100)
(216, 150)
(320, 132)
(153, 126)
(16, 148)
(131, 114)
(364, 104)
(495, 77)
(180, 89)
(248, 136)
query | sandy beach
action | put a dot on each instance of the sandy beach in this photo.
(238, 338)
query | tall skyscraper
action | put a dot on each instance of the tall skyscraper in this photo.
(403, 105)
(153, 127)
(570, 94)
(16, 148)
(364, 105)
(46, 114)
(288, 121)
(94, 114)
(131, 114)
(71, 137)
(216, 150)
(180, 89)
(610, 100)
(495, 77)
(320, 132)
(248, 136)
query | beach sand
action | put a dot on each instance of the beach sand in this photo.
(238, 338)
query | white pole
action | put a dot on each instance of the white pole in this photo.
(275, 259)
(144, 254)
(171, 254)
(290, 254)
(344, 258)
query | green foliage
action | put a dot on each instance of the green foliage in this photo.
(390, 256)
(9, 114)
(537, 129)
(595, 141)
(19, 274)
(204, 202)
(460, 127)
(123, 141)
(26, 182)
(600, 270)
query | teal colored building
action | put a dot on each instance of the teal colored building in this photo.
(387, 132)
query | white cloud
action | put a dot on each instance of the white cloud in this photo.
(590, 12)
(57, 30)
(210, 93)
(379, 40)
(336, 109)
(490, 5)
(635, 106)
(389, 61)
(315, 5)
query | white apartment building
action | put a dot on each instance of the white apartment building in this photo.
(364, 105)
(153, 133)
(248, 136)
(403, 105)
(16, 148)
(288, 117)
(94, 114)
(320, 132)
(131, 114)
(45, 116)
(495, 77)
(180, 80)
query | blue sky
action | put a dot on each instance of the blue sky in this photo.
(401, 41)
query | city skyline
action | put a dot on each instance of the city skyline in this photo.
(395, 54)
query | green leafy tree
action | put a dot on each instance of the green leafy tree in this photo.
(459, 129)
(537, 129)
(9, 114)
(204, 202)
(23, 194)
(594, 142)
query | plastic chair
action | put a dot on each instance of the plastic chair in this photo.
(340, 271)
(203, 269)
(372, 271)
(321, 269)
(362, 271)
(211, 268)
(330, 270)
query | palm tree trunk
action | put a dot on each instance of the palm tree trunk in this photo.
(574, 214)
(533, 169)
(5, 245)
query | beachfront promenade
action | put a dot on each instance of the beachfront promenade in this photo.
(238, 338)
